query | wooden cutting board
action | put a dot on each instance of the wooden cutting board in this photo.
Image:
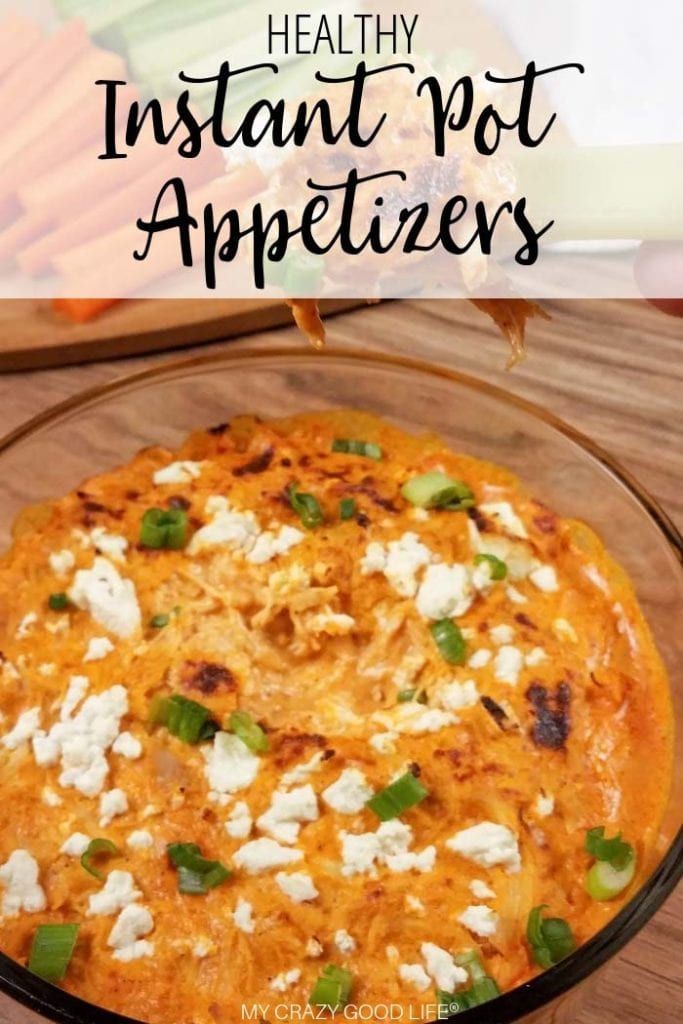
(32, 336)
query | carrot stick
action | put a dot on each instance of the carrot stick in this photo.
(42, 66)
(116, 209)
(67, 94)
(18, 36)
(131, 276)
(81, 310)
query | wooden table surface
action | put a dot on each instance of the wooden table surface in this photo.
(614, 370)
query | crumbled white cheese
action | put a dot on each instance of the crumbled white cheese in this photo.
(509, 662)
(502, 634)
(109, 544)
(75, 845)
(110, 599)
(203, 947)
(313, 949)
(125, 938)
(76, 691)
(384, 742)
(98, 648)
(442, 967)
(514, 595)
(127, 745)
(300, 772)
(298, 886)
(479, 920)
(332, 623)
(238, 825)
(400, 561)
(545, 578)
(27, 724)
(281, 982)
(488, 844)
(349, 794)
(345, 943)
(413, 903)
(535, 656)
(414, 717)
(182, 472)
(454, 696)
(481, 890)
(140, 839)
(62, 562)
(118, 892)
(264, 855)
(112, 804)
(26, 625)
(480, 658)
(545, 805)
(504, 516)
(243, 916)
(230, 764)
(269, 545)
(287, 811)
(227, 527)
(415, 975)
(50, 798)
(387, 846)
(446, 592)
(23, 891)
(82, 741)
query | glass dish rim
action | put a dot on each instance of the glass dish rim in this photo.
(56, 1005)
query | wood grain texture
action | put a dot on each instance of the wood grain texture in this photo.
(613, 370)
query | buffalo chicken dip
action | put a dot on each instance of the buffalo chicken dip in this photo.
(316, 713)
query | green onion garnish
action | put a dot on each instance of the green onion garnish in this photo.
(51, 951)
(398, 797)
(306, 507)
(436, 490)
(249, 731)
(550, 938)
(58, 602)
(367, 449)
(164, 528)
(347, 508)
(159, 621)
(498, 568)
(450, 641)
(190, 721)
(196, 874)
(98, 848)
(406, 696)
(482, 990)
(615, 864)
(332, 989)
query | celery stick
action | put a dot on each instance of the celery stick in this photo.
(160, 16)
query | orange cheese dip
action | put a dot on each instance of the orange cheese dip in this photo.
(539, 730)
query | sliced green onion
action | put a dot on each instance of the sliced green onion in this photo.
(196, 874)
(550, 938)
(615, 852)
(451, 1003)
(483, 988)
(603, 882)
(306, 507)
(398, 797)
(98, 848)
(249, 731)
(332, 989)
(347, 508)
(406, 696)
(51, 951)
(164, 528)
(58, 602)
(367, 449)
(499, 569)
(450, 641)
(159, 621)
(190, 721)
(436, 490)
